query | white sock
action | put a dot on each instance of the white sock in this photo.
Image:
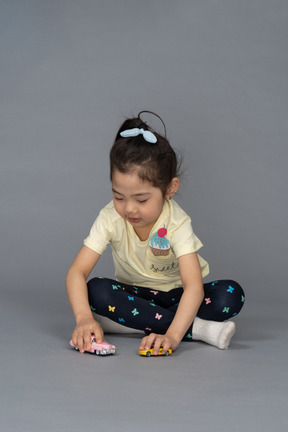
(214, 333)
(109, 326)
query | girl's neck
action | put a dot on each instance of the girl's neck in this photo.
(143, 233)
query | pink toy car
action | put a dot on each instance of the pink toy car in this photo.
(102, 349)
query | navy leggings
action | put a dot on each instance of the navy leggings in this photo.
(153, 311)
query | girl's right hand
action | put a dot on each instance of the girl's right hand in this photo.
(81, 337)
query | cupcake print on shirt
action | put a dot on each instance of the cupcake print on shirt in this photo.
(159, 244)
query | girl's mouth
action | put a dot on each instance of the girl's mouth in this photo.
(134, 220)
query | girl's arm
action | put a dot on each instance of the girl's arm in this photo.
(189, 304)
(77, 292)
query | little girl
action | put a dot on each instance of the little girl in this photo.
(158, 288)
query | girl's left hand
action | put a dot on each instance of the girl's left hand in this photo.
(166, 341)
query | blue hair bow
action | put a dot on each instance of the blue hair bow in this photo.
(147, 135)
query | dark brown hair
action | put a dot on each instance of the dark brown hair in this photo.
(156, 163)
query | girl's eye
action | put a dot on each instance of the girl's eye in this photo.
(143, 201)
(118, 199)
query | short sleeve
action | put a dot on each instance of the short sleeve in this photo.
(184, 241)
(100, 234)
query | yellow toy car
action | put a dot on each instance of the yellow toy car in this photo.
(150, 352)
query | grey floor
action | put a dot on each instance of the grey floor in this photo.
(46, 386)
(71, 71)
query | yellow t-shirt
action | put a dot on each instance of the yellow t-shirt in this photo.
(151, 263)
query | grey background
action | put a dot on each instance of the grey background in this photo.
(71, 71)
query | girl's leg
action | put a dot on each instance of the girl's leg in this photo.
(223, 300)
(134, 307)
(153, 311)
(107, 324)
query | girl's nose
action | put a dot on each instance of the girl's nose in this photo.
(130, 208)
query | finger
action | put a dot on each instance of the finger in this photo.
(150, 340)
(157, 344)
(166, 346)
(87, 339)
(143, 343)
(98, 332)
(80, 341)
(74, 338)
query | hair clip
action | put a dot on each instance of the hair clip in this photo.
(147, 135)
(151, 112)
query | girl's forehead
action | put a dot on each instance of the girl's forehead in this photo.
(130, 181)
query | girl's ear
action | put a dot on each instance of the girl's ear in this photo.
(173, 187)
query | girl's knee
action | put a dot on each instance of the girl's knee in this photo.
(234, 297)
(235, 287)
(223, 300)
(95, 283)
(99, 293)
(225, 287)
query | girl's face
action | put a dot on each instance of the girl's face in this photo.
(137, 201)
